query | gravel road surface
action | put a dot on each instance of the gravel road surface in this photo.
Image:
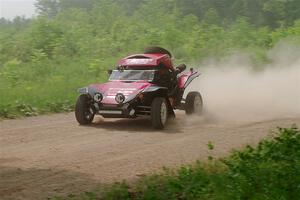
(52, 155)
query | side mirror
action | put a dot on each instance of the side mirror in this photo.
(109, 72)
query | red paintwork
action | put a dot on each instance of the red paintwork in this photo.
(130, 89)
(183, 78)
(146, 60)
(110, 89)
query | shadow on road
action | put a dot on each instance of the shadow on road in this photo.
(136, 125)
(16, 183)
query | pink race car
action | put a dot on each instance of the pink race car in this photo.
(142, 84)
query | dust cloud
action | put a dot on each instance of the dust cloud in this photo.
(233, 91)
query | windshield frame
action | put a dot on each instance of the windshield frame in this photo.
(132, 80)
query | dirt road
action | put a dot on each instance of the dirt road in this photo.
(52, 155)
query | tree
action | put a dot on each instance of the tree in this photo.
(82, 4)
(47, 8)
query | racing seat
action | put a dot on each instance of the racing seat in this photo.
(174, 89)
(180, 68)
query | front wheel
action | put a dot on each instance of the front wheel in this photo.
(83, 112)
(159, 112)
(193, 103)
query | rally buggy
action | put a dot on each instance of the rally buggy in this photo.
(142, 84)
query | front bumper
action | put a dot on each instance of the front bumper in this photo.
(115, 111)
(126, 110)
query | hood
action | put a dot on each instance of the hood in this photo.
(128, 89)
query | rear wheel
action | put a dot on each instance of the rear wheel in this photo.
(193, 103)
(83, 112)
(159, 112)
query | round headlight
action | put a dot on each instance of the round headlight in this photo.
(120, 98)
(98, 97)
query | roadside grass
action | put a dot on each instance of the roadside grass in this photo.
(269, 171)
(44, 86)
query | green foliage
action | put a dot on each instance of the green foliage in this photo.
(72, 42)
(47, 8)
(210, 145)
(271, 170)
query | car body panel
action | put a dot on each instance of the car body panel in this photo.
(184, 79)
(146, 60)
(128, 89)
